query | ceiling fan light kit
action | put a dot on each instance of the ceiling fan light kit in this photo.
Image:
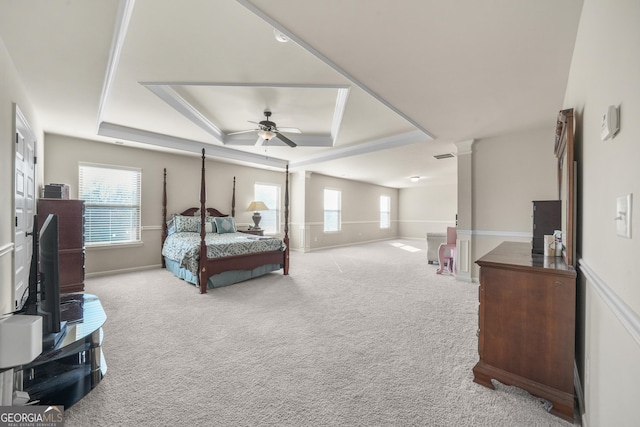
(266, 135)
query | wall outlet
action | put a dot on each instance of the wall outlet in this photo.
(623, 216)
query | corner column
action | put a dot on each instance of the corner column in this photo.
(465, 210)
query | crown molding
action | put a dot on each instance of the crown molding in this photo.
(395, 141)
(182, 106)
(125, 10)
(464, 147)
(165, 91)
(157, 139)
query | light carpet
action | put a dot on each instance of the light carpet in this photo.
(365, 335)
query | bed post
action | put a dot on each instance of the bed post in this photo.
(233, 199)
(286, 222)
(164, 215)
(202, 276)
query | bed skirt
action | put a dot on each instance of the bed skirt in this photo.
(222, 279)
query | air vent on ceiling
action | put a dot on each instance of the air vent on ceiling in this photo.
(443, 156)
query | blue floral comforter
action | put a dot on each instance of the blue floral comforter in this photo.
(184, 247)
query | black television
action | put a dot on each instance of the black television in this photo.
(53, 329)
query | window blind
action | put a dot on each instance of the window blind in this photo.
(332, 209)
(385, 211)
(112, 203)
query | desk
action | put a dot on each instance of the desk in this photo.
(67, 372)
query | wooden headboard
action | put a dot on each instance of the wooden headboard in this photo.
(210, 212)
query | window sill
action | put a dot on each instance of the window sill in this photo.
(100, 246)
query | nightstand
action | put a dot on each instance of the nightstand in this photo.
(253, 231)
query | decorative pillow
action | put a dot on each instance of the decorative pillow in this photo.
(209, 225)
(186, 223)
(225, 224)
(170, 227)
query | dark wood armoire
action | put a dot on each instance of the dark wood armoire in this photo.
(70, 240)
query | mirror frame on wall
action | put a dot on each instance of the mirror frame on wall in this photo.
(564, 151)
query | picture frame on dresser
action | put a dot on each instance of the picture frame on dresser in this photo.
(567, 170)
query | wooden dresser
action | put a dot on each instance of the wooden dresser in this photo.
(70, 240)
(527, 324)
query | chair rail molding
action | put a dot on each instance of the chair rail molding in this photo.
(6, 249)
(625, 314)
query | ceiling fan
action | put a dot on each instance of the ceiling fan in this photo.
(268, 130)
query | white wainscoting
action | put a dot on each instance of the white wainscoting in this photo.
(7, 292)
(471, 246)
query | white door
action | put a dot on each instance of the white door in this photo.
(25, 205)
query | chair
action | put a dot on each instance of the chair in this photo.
(434, 240)
(447, 252)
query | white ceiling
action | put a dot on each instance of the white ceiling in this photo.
(378, 87)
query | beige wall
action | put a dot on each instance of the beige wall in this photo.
(183, 191)
(427, 209)
(11, 91)
(508, 173)
(360, 212)
(360, 201)
(604, 71)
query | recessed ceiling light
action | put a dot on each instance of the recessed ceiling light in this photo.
(279, 36)
(415, 178)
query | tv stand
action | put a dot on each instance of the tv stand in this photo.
(67, 371)
(51, 340)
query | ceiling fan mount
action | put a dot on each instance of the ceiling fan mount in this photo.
(267, 125)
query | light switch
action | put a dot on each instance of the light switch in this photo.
(623, 216)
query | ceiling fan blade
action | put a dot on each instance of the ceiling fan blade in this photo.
(259, 142)
(243, 131)
(286, 140)
(289, 130)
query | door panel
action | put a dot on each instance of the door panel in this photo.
(24, 203)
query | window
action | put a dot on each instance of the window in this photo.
(112, 203)
(270, 195)
(385, 211)
(332, 209)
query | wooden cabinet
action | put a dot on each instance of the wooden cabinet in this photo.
(546, 219)
(70, 240)
(526, 334)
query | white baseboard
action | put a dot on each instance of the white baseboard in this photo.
(364, 242)
(123, 270)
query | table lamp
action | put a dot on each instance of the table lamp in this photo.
(257, 206)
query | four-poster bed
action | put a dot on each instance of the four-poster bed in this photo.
(210, 253)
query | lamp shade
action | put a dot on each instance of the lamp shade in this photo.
(257, 205)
